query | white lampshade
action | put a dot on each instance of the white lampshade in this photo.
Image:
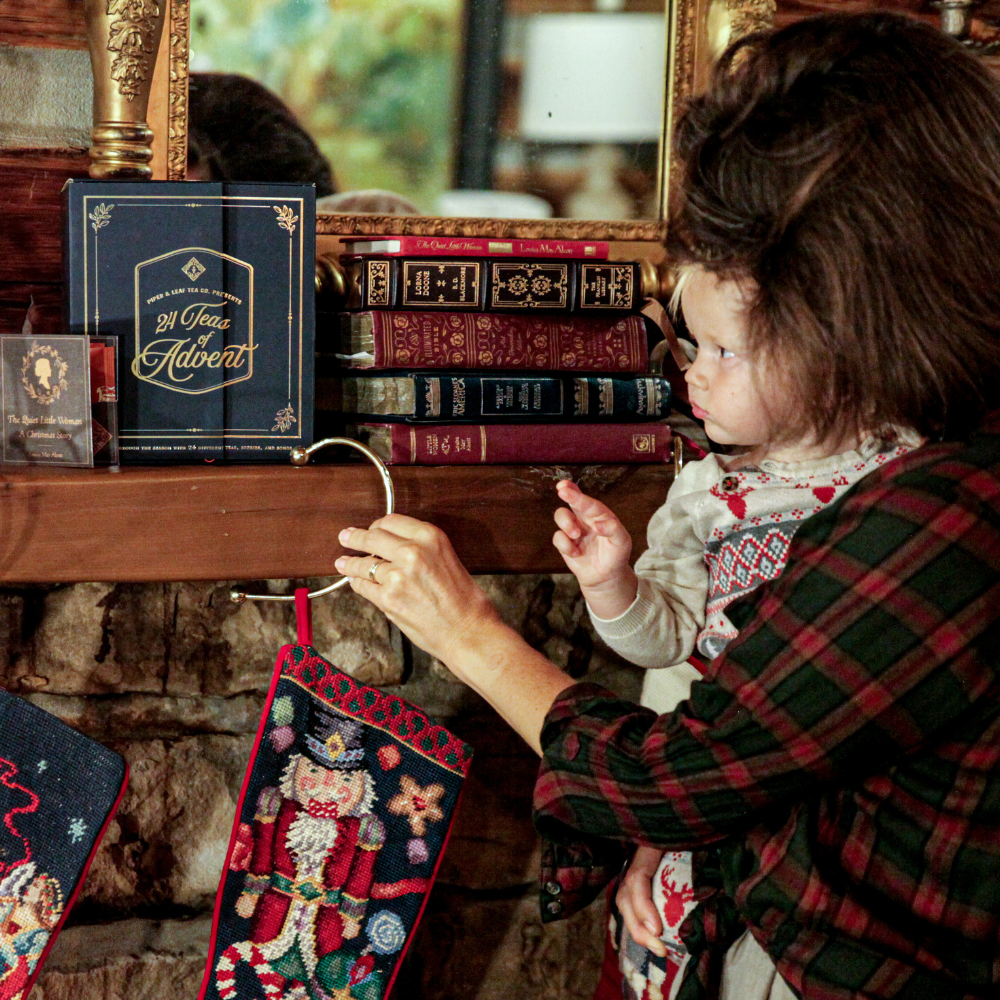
(593, 78)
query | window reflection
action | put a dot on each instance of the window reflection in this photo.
(409, 100)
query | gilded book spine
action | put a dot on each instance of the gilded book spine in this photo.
(393, 339)
(422, 397)
(495, 285)
(503, 444)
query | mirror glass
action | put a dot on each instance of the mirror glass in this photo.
(503, 108)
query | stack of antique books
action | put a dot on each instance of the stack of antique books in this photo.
(476, 351)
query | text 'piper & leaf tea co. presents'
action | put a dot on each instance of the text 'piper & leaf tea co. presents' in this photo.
(209, 288)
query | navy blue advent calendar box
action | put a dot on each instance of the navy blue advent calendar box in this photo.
(209, 288)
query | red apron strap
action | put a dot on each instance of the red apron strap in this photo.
(303, 619)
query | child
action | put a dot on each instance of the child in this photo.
(724, 530)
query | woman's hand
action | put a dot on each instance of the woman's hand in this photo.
(635, 900)
(596, 547)
(415, 577)
(418, 581)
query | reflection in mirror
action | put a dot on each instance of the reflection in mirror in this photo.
(523, 108)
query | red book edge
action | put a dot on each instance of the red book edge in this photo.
(459, 246)
(406, 441)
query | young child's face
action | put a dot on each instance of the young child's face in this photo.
(723, 378)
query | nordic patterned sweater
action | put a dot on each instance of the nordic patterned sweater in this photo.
(723, 531)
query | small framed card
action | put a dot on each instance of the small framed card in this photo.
(46, 406)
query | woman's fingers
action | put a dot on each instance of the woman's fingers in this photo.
(390, 535)
(414, 575)
(361, 567)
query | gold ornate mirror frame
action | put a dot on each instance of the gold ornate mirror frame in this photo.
(177, 124)
(697, 31)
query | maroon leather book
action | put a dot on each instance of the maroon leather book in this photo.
(396, 339)
(516, 444)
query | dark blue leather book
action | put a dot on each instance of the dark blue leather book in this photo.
(209, 288)
(485, 397)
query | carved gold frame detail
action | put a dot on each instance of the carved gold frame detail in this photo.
(696, 32)
(179, 26)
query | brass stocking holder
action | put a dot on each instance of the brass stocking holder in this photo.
(300, 457)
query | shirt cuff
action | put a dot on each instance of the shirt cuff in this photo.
(636, 617)
(572, 877)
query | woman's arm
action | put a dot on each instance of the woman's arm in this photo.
(867, 647)
(424, 589)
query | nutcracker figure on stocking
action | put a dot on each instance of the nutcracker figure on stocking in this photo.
(311, 861)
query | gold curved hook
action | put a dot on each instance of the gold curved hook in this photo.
(301, 456)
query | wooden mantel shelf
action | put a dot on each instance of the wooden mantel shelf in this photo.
(247, 523)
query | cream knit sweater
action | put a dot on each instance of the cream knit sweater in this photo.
(723, 531)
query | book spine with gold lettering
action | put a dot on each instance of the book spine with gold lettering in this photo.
(415, 339)
(451, 284)
(491, 397)
(512, 444)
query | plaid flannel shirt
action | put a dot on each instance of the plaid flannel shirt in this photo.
(840, 758)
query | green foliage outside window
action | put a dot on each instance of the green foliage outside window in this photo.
(373, 81)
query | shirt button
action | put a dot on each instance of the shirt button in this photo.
(730, 484)
(553, 888)
(554, 907)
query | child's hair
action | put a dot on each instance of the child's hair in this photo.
(849, 167)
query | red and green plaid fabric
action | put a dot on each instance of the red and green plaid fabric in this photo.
(840, 759)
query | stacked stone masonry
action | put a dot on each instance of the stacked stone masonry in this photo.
(172, 676)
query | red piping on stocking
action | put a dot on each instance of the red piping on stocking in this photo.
(303, 619)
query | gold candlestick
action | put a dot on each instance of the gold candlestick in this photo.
(123, 37)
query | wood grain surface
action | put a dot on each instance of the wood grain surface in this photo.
(31, 211)
(15, 300)
(44, 23)
(251, 523)
(793, 10)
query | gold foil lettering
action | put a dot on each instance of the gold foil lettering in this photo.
(166, 321)
(196, 315)
(170, 356)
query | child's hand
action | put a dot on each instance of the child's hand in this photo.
(635, 900)
(591, 540)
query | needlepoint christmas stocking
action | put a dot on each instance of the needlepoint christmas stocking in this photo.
(340, 826)
(58, 792)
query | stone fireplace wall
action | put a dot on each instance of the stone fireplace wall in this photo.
(173, 676)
